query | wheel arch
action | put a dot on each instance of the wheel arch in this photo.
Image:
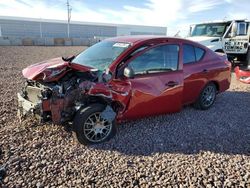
(217, 85)
(219, 50)
(116, 105)
(198, 103)
(83, 114)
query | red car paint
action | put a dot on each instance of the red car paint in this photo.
(143, 95)
(46, 70)
(242, 75)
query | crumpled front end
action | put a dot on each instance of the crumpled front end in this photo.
(58, 102)
(54, 101)
(28, 106)
(30, 100)
(43, 102)
(242, 75)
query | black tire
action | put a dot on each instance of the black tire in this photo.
(202, 103)
(79, 125)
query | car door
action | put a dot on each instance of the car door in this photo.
(195, 73)
(158, 82)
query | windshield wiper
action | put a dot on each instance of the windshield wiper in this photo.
(69, 59)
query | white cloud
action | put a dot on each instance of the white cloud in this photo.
(201, 5)
(156, 12)
(238, 9)
(28, 8)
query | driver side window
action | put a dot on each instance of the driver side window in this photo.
(242, 28)
(159, 59)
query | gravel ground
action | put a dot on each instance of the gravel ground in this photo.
(188, 149)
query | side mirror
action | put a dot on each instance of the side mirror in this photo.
(234, 29)
(129, 72)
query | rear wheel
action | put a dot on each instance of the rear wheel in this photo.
(90, 127)
(207, 97)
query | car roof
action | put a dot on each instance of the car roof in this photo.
(143, 38)
(140, 38)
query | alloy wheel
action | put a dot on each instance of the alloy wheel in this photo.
(208, 96)
(96, 128)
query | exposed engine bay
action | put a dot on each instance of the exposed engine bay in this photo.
(58, 101)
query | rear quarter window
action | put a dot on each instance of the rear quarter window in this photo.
(199, 53)
(188, 54)
(192, 54)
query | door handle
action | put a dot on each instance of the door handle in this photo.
(171, 83)
(205, 71)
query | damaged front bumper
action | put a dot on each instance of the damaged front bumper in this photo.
(58, 103)
(26, 107)
(36, 102)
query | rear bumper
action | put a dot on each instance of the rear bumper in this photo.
(26, 107)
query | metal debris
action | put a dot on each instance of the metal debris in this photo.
(108, 114)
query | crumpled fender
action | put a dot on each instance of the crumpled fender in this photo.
(242, 75)
(116, 91)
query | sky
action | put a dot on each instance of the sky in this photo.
(176, 15)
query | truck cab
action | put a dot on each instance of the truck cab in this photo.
(230, 37)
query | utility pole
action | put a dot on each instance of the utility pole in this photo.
(69, 14)
(40, 27)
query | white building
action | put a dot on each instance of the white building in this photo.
(42, 28)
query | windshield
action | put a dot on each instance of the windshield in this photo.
(101, 55)
(209, 30)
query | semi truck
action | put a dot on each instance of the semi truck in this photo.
(230, 37)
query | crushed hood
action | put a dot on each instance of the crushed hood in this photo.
(51, 70)
(44, 68)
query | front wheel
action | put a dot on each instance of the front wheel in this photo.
(91, 127)
(207, 97)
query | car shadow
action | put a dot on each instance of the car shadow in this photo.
(224, 128)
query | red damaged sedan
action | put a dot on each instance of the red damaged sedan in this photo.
(121, 79)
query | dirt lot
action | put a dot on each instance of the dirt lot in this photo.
(190, 149)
